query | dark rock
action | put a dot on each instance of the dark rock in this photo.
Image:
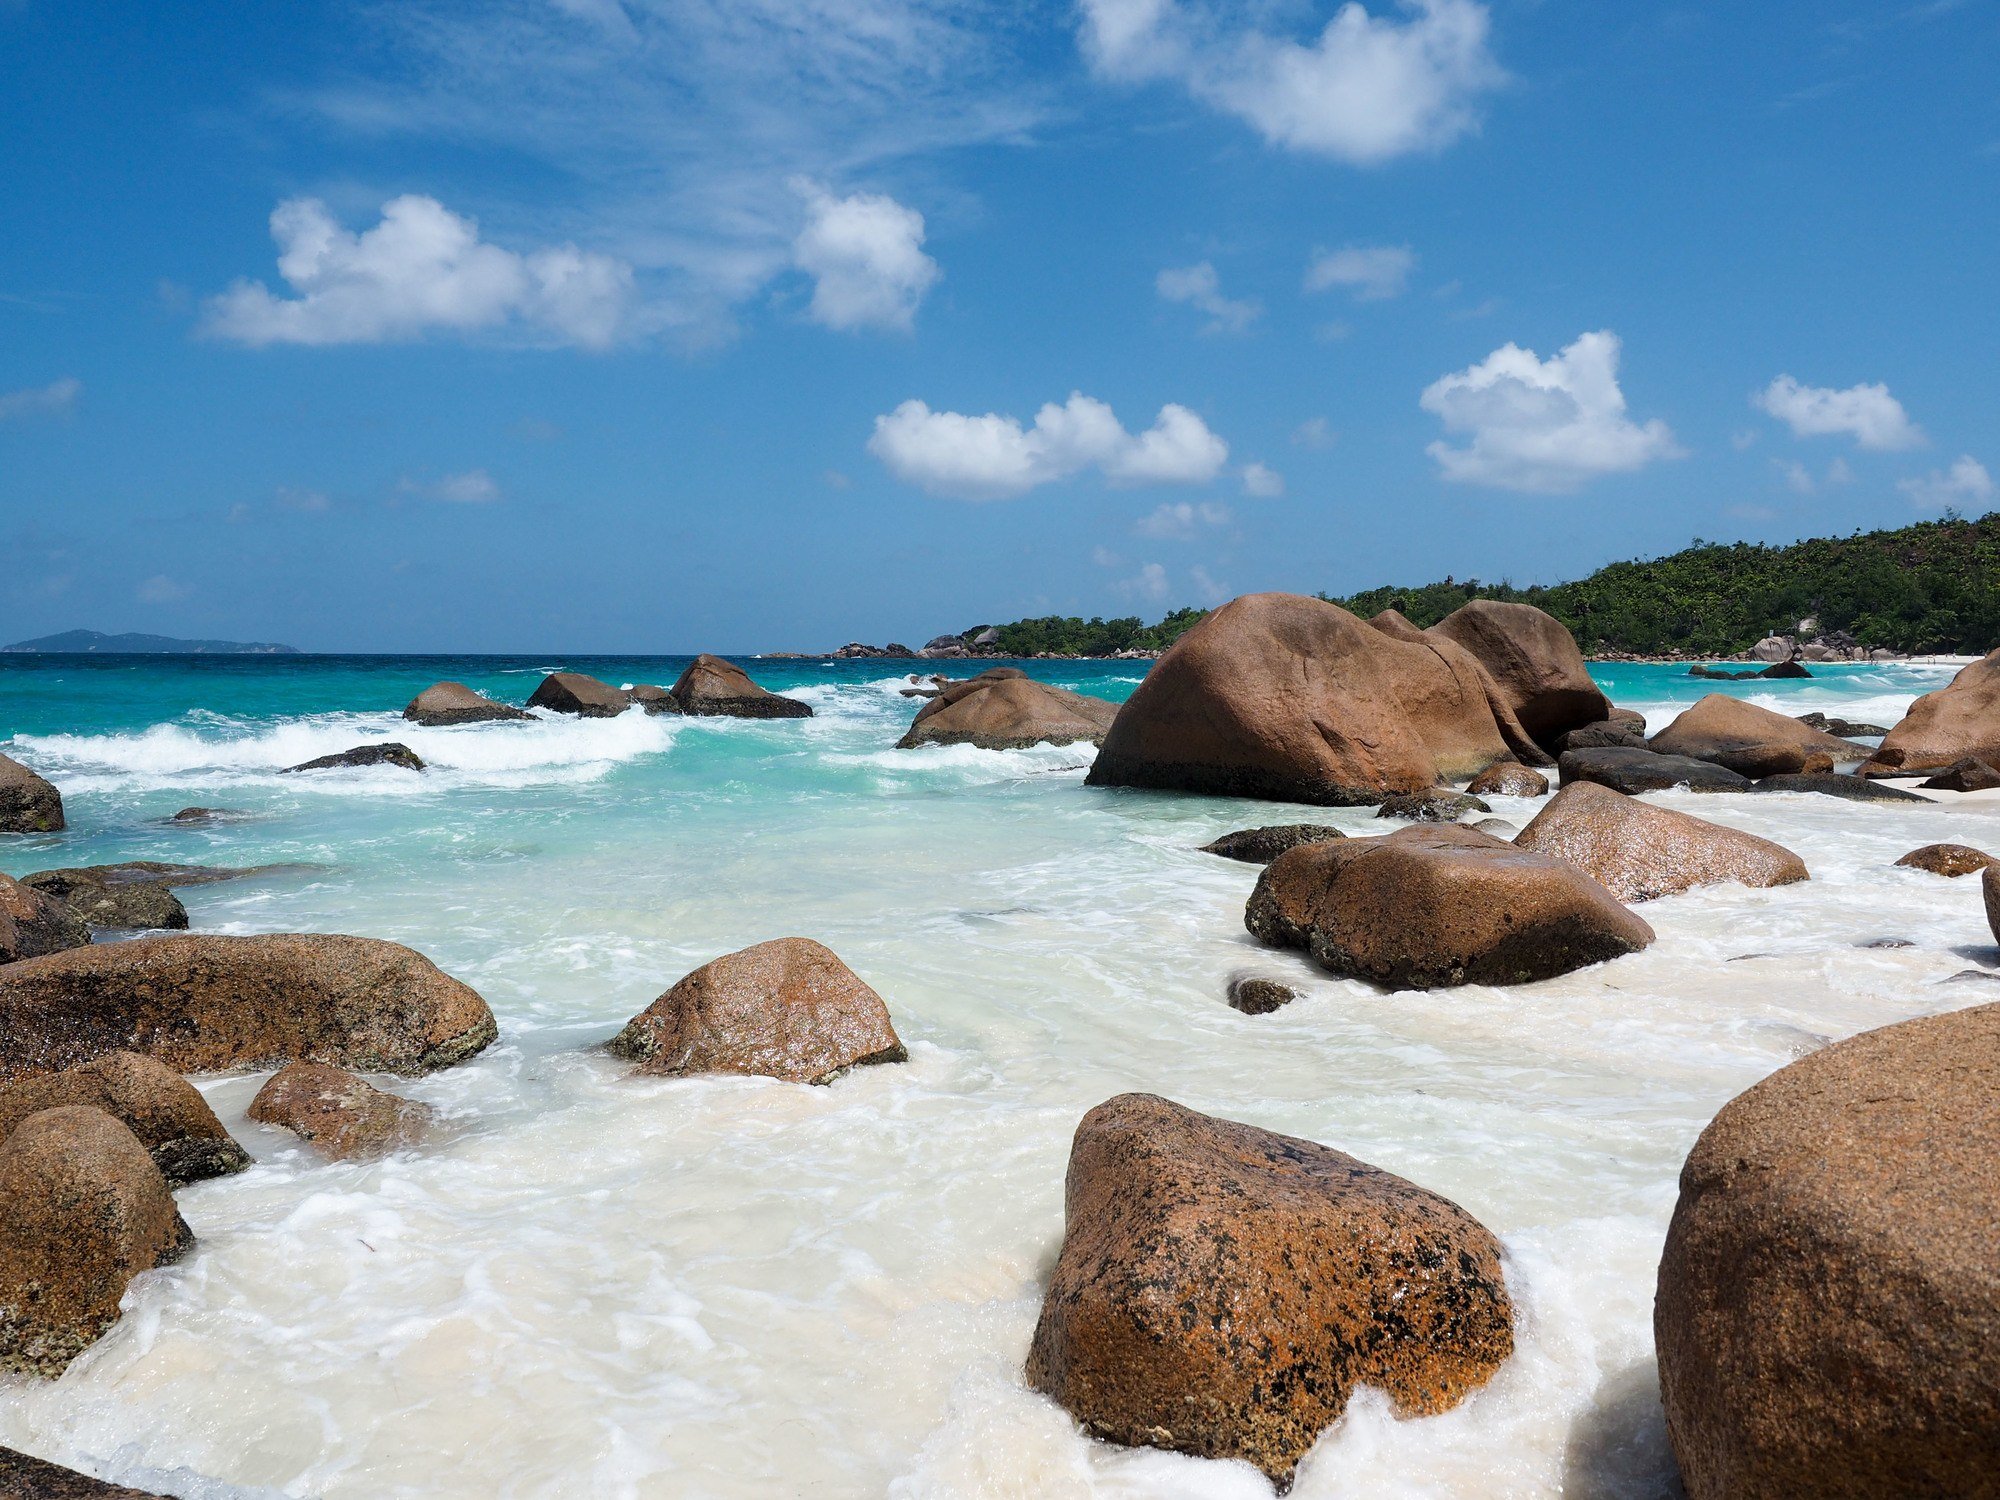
(162, 1109)
(655, 699)
(1886, 943)
(1852, 788)
(134, 905)
(1989, 888)
(33, 923)
(1637, 851)
(580, 694)
(1438, 804)
(1846, 729)
(389, 754)
(1005, 709)
(1610, 735)
(446, 703)
(198, 816)
(1950, 860)
(713, 688)
(1635, 771)
(1259, 846)
(344, 1117)
(1259, 997)
(1967, 775)
(25, 1478)
(1507, 779)
(1784, 669)
(28, 804)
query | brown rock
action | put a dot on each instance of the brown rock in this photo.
(576, 693)
(1960, 719)
(162, 1109)
(26, 1478)
(1259, 997)
(1967, 775)
(389, 753)
(1259, 846)
(711, 686)
(785, 1009)
(1534, 660)
(1638, 770)
(28, 804)
(1009, 712)
(446, 703)
(202, 1003)
(1438, 804)
(1428, 907)
(1222, 1290)
(1951, 860)
(1507, 779)
(83, 1210)
(32, 923)
(1612, 734)
(1829, 1296)
(1749, 740)
(1285, 697)
(135, 905)
(345, 1117)
(1637, 851)
(655, 699)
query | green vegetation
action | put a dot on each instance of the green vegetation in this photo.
(1066, 635)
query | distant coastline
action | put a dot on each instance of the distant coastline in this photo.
(134, 643)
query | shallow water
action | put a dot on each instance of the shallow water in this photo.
(597, 1286)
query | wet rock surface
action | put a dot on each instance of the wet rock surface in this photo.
(1828, 784)
(33, 923)
(132, 904)
(1439, 804)
(713, 687)
(344, 1117)
(28, 803)
(1508, 780)
(447, 703)
(165, 1112)
(1256, 996)
(1639, 852)
(26, 1478)
(1634, 771)
(1259, 846)
(1950, 860)
(394, 753)
(1967, 775)
(580, 694)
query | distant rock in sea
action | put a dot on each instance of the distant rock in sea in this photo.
(132, 643)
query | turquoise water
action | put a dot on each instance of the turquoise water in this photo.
(593, 1285)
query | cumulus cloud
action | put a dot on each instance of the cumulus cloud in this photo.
(1262, 481)
(1314, 432)
(865, 255)
(1150, 583)
(991, 457)
(57, 398)
(1373, 273)
(1366, 89)
(1178, 522)
(1198, 287)
(473, 487)
(1964, 483)
(1545, 426)
(1867, 413)
(423, 269)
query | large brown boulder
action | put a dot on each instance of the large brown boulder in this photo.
(1960, 719)
(1006, 710)
(83, 1210)
(1431, 906)
(200, 1003)
(346, 1118)
(1507, 779)
(577, 693)
(714, 687)
(33, 923)
(25, 1478)
(1534, 660)
(784, 1009)
(166, 1112)
(1749, 740)
(134, 904)
(1222, 1289)
(446, 703)
(1637, 851)
(1290, 698)
(1949, 860)
(1829, 1297)
(28, 804)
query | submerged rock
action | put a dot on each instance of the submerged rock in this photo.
(28, 804)
(392, 753)
(203, 1003)
(1967, 775)
(201, 816)
(784, 1009)
(446, 703)
(26, 1478)
(1958, 720)
(1635, 771)
(1950, 860)
(1829, 1298)
(33, 923)
(83, 1210)
(1852, 788)
(1638, 852)
(1222, 1290)
(1533, 660)
(1508, 780)
(135, 905)
(165, 1112)
(1749, 740)
(1256, 996)
(1005, 709)
(1429, 907)
(1259, 846)
(344, 1117)
(713, 687)
(1438, 804)
(580, 694)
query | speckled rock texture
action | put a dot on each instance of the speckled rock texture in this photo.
(344, 1117)
(1632, 771)
(784, 1009)
(1006, 710)
(1259, 846)
(1222, 1289)
(1506, 779)
(1429, 907)
(654, 698)
(162, 1109)
(33, 923)
(83, 1210)
(1750, 740)
(580, 694)
(1966, 775)
(1438, 804)
(1960, 719)
(1637, 851)
(446, 703)
(202, 1003)
(716, 688)
(389, 753)
(1828, 1313)
(1534, 660)
(26, 1478)
(28, 804)
(1950, 860)
(135, 904)
(1256, 996)
(1847, 788)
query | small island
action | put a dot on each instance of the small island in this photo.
(134, 643)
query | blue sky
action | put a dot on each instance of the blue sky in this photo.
(762, 324)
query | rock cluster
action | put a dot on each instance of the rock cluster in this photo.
(165, 1112)
(1005, 709)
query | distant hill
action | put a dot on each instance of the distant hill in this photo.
(135, 644)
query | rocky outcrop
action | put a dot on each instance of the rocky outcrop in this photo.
(1637, 851)
(654, 698)
(139, 904)
(32, 923)
(1534, 660)
(1428, 907)
(1438, 804)
(28, 804)
(1966, 775)
(713, 688)
(391, 753)
(1259, 846)
(1829, 1304)
(1257, 996)
(1635, 771)
(1749, 740)
(344, 1117)
(784, 1009)
(202, 1003)
(1958, 720)
(1290, 698)
(26, 1478)
(1827, 784)
(447, 703)
(1222, 1289)
(1773, 648)
(83, 1210)
(162, 1109)
(579, 694)
(1949, 860)
(1506, 779)
(1004, 709)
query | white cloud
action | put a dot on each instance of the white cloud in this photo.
(1867, 413)
(1151, 583)
(990, 457)
(473, 487)
(160, 589)
(1104, 557)
(1798, 478)
(57, 398)
(865, 255)
(1373, 273)
(1314, 432)
(1263, 481)
(1964, 483)
(1543, 426)
(1199, 288)
(423, 269)
(1178, 522)
(1364, 90)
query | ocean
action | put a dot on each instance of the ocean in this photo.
(594, 1285)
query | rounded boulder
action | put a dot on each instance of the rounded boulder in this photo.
(446, 703)
(1637, 851)
(28, 803)
(580, 694)
(1533, 660)
(33, 923)
(1507, 779)
(162, 1109)
(1750, 740)
(1006, 710)
(344, 1117)
(715, 688)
